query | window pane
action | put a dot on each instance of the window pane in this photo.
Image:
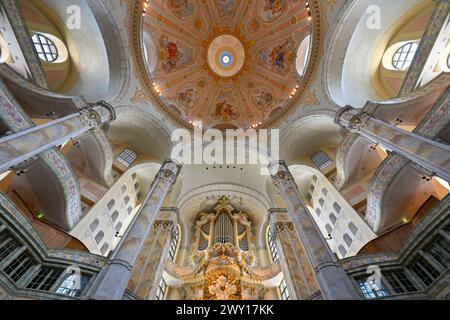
(45, 48)
(73, 285)
(127, 157)
(404, 55)
(372, 290)
(19, 266)
(321, 160)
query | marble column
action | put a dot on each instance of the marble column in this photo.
(147, 272)
(298, 272)
(113, 280)
(432, 155)
(24, 144)
(333, 281)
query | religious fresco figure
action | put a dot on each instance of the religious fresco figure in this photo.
(225, 111)
(182, 8)
(270, 10)
(189, 97)
(172, 55)
(277, 57)
(225, 106)
(227, 8)
(262, 98)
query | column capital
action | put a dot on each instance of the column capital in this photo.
(279, 171)
(351, 118)
(358, 121)
(97, 114)
(170, 169)
(105, 110)
(90, 117)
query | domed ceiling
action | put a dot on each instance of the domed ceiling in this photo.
(228, 63)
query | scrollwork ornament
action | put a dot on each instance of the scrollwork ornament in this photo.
(358, 121)
(90, 117)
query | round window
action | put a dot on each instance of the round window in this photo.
(46, 48)
(404, 55)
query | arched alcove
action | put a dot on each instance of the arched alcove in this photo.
(84, 33)
(141, 132)
(359, 43)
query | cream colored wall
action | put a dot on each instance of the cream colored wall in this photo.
(118, 147)
(346, 214)
(411, 27)
(39, 18)
(100, 210)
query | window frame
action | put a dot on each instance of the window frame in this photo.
(321, 160)
(127, 157)
(42, 42)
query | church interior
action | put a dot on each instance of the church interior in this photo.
(351, 204)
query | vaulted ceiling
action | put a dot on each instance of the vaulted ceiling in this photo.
(228, 63)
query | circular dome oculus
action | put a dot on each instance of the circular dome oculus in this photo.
(226, 59)
(226, 55)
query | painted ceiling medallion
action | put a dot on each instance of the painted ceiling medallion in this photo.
(226, 63)
(226, 55)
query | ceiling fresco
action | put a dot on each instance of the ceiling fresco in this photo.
(228, 63)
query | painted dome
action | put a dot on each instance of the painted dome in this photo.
(227, 63)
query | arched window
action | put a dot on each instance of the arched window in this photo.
(352, 228)
(111, 204)
(404, 55)
(49, 48)
(347, 239)
(271, 239)
(342, 250)
(318, 212)
(45, 48)
(175, 238)
(328, 228)
(321, 202)
(333, 218)
(94, 225)
(104, 249)
(127, 157)
(115, 215)
(336, 207)
(302, 55)
(149, 52)
(99, 237)
(400, 55)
